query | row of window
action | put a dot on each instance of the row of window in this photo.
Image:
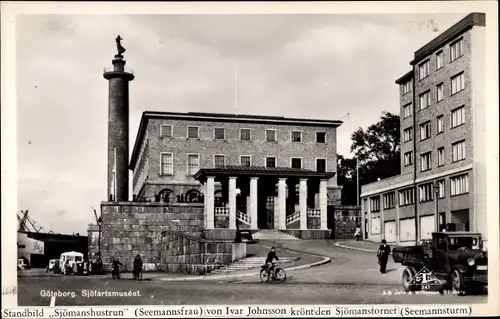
(456, 51)
(457, 84)
(193, 163)
(458, 153)
(245, 134)
(458, 185)
(457, 118)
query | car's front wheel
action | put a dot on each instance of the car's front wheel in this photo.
(457, 282)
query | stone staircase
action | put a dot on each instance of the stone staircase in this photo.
(244, 264)
(272, 234)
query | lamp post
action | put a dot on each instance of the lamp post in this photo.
(436, 192)
(99, 224)
(237, 238)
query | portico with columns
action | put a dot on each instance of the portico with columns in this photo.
(264, 198)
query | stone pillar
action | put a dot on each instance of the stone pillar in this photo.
(232, 202)
(253, 202)
(281, 220)
(209, 203)
(118, 129)
(323, 199)
(303, 203)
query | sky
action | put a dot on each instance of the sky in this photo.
(335, 67)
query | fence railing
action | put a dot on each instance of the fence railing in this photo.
(221, 211)
(243, 217)
(313, 212)
(292, 218)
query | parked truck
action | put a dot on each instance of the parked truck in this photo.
(453, 261)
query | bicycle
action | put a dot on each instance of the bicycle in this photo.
(276, 273)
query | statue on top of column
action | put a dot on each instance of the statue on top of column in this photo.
(119, 46)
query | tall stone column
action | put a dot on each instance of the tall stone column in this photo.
(209, 202)
(232, 202)
(253, 202)
(303, 203)
(323, 200)
(281, 220)
(118, 129)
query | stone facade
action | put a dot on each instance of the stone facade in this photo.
(146, 159)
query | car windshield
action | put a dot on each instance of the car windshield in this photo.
(78, 258)
(463, 242)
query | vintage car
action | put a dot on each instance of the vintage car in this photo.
(52, 264)
(453, 261)
(246, 237)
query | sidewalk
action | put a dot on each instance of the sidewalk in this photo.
(362, 245)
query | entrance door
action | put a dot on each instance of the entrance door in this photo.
(390, 231)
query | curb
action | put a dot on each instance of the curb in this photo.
(325, 260)
(231, 276)
(355, 248)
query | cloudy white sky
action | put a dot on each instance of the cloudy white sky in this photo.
(317, 66)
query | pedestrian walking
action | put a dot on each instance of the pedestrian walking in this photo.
(383, 256)
(357, 233)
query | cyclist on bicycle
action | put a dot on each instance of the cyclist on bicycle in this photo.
(271, 256)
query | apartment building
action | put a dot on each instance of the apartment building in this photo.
(443, 142)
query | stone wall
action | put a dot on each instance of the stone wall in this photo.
(93, 240)
(131, 228)
(345, 226)
(191, 255)
(313, 222)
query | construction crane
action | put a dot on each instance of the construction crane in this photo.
(97, 219)
(24, 227)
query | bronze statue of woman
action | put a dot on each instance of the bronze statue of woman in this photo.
(119, 46)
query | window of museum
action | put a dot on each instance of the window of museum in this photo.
(271, 135)
(245, 134)
(167, 164)
(320, 137)
(439, 92)
(270, 161)
(165, 130)
(245, 160)
(296, 162)
(321, 165)
(193, 132)
(441, 188)
(219, 161)
(296, 136)
(219, 133)
(193, 164)
(439, 124)
(407, 110)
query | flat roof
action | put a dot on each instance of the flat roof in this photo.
(222, 117)
(257, 171)
(405, 77)
(473, 19)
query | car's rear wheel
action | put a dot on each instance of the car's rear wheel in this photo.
(408, 282)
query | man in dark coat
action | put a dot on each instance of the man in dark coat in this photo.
(137, 264)
(269, 260)
(383, 256)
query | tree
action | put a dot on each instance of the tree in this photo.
(378, 153)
